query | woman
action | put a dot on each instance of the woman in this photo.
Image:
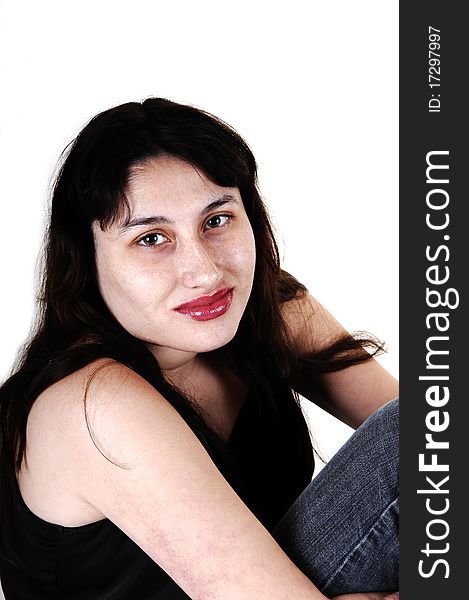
(152, 443)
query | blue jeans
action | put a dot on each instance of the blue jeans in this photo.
(343, 530)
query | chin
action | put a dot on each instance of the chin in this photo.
(207, 341)
(208, 345)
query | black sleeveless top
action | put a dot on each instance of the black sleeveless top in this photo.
(99, 562)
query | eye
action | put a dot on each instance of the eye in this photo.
(152, 239)
(217, 221)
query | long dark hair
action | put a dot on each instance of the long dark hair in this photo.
(74, 326)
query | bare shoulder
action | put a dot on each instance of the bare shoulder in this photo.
(350, 394)
(123, 412)
(64, 421)
(60, 404)
(311, 326)
(98, 405)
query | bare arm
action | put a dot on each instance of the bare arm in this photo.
(169, 497)
(351, 394)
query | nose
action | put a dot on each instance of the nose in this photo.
(199, 268)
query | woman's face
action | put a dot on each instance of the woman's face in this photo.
(185, 238)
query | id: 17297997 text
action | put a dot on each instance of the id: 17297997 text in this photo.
(434, 104)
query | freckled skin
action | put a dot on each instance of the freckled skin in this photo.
(143, 279)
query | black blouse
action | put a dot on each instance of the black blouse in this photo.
(273, 453)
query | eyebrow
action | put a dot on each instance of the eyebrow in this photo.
(158, 220)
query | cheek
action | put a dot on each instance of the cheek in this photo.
(247, 251)
(130, 286)
(133, 285)
(238, 255)
(113, 289)
(117, 281)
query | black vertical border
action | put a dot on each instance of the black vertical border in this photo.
(421, 132)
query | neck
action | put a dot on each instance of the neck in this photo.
(177, 366)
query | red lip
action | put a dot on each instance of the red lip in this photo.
(203, 301)
(207, 312)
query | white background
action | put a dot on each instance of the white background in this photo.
(312, 86)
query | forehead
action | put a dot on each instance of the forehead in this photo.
(169, 183)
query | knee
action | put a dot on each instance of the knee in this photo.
(384, 422)
(382, 431)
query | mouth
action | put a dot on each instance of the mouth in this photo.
(206, 308)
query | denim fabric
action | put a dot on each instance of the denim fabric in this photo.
(343, 530)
